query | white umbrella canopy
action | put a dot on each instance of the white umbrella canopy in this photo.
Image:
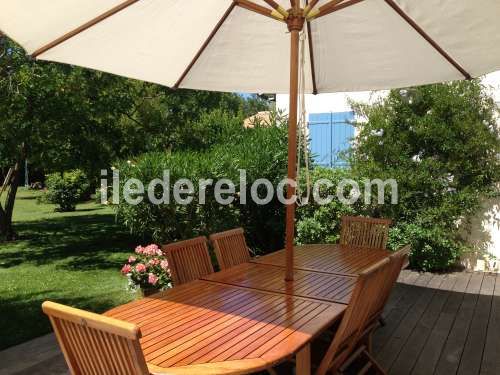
(252, 45)
(366, 45)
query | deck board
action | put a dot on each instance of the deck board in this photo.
(418, 338)
(394, 317)
(453, 349)
(392, 348)
(470, 362)
(444, 324)
(491, 359)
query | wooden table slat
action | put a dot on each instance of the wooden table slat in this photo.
(200, 321)
(308, 284)
(333, 259)
(204, 322)
(201, 327)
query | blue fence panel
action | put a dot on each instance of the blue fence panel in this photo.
(330, 134)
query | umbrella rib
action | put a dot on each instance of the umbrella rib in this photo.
(249, 5)
(309, 6)
(84, 27)
(205, 45)
(311, 58)
(332, 6)
(428, 38)
(273, 4)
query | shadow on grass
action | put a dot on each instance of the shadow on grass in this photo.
(26, 319)
(84, 242)
(89, 209)
(27, 197)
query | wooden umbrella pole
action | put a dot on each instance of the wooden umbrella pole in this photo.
(295, 25)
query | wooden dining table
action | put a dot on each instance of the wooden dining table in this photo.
(247, 318)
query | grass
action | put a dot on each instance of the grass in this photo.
(72, 258)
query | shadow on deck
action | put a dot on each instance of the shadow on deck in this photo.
(442, 324)
(436, 324)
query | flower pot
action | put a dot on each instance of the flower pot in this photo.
(147, 292)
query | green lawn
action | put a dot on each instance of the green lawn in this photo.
(73, 258)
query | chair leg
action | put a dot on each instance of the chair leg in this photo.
(374, 363)
(371, 361)
(303, 361)
(365, 369)
(370, 342)
(350, 360)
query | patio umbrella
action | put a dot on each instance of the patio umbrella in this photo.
(253, 46)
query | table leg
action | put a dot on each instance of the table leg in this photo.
(303, 361)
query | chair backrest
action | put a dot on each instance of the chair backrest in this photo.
(364, 232)
(405, 253)
(188, 260)
(364, 297)
(230, 248)
(95, 344)
(397, 262)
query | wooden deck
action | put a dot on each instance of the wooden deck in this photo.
(442, 324)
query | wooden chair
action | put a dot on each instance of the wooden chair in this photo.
(405, 252)
(95, 344)
(364, 232)
(344, 347)
(230, 248)
(397, 262)
(188, 260)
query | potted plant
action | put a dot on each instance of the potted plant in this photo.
(147, 270)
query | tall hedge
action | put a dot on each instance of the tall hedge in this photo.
(261, 152)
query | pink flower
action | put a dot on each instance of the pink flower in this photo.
(152, 250)
(152, 279)
(139, 250)
(126, 269)
(132, 259)
(140, 268)
(154, 262)
(164, 265)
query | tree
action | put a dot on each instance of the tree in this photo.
(167, 119)
(63, 117)
(58, 116)
(441, 144)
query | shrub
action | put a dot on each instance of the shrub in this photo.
(433, 248)
(321, 223)
(261, 151)
(441, 144)
(67, 190)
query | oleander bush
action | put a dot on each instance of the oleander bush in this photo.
(261, 152)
